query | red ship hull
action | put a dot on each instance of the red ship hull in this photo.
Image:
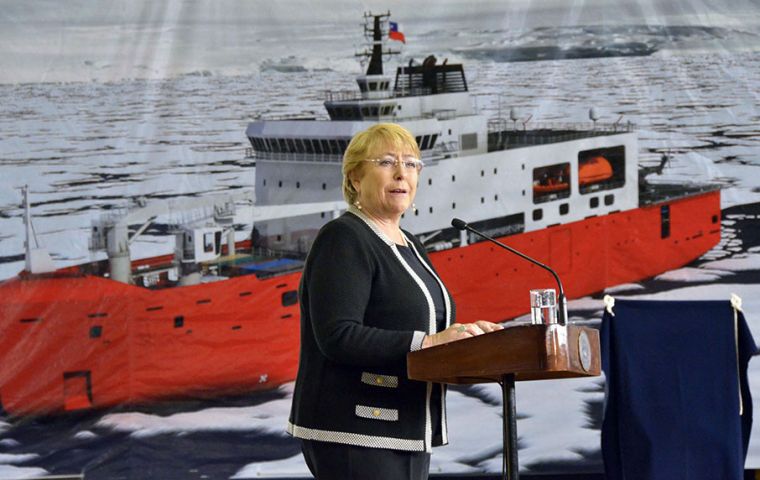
(71, 342)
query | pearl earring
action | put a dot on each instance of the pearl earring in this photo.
(358, 205)
(414, 208)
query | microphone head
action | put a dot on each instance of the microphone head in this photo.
(458, 224)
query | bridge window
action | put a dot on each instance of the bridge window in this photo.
(469, 141)
(208, 242)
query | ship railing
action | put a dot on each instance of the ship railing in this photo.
(299, 157)
(500, 124)
(414, 92)
(352, 95)
(289, 116)
(653, 193)
(444, 113)
(442, 151)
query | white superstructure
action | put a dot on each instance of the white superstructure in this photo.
(491, 171)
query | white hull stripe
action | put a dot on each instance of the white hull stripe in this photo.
(357, 439)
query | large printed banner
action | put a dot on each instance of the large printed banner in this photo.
(140, 145)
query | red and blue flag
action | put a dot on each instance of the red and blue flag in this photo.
(394, 33)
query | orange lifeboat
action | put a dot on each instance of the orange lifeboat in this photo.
(550, 187)
(552, 180)
(594, 170)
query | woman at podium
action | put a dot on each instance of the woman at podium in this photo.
(369, 295)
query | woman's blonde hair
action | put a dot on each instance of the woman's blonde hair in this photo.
(370, 142)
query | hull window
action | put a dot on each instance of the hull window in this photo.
(289, 298)
(665, 221)
(538, 214)
(96, 331)
(593, 202)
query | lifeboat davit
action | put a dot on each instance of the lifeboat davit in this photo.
(594, 170)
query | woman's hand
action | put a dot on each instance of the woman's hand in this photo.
(458, 331)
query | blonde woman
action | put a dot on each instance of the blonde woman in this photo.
(369, 295)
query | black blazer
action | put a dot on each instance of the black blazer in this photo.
(362, 310)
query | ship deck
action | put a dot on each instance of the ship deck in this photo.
(505, 136)
(654, 193)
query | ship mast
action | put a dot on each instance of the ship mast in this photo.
(376, 31)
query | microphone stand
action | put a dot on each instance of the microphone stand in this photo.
(510, 469)
(562, 313)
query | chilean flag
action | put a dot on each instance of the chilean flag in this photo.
(394, 33)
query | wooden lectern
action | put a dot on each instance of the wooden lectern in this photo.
(519, 352)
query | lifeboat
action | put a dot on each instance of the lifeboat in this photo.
(594, 170)
(552, 180)
(550, 187)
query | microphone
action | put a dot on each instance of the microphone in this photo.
(562, 314)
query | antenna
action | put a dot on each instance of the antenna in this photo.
(593, 115)
(513, 115)
(37, 259)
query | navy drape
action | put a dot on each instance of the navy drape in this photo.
(674, 382)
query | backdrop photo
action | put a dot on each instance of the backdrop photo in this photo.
(142, 142)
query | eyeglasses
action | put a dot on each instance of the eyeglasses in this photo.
(389, 162)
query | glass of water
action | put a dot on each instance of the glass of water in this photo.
(543, 306)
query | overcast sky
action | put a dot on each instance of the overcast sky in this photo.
(54, 40)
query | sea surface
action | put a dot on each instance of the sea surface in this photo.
(88, 148)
